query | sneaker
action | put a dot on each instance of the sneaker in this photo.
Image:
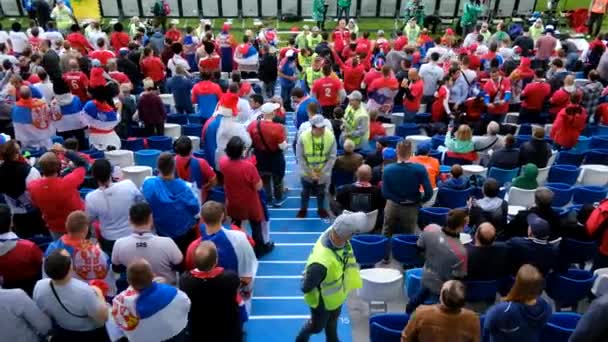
(302, 213)
(264, 249)
(323, 213)
(277, 203)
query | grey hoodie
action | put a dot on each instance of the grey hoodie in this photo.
(22, 320)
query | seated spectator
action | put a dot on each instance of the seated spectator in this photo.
(490, 208)
(151, 110)
(457, 180)
(192, 169)
(376, 129)
(543, 198)
(360, 196)
(173, 202)
(22, 320)
(20, 259)
(445, 257)
(430, 163)
(350, 160)
(535, 249)
(506, 158)
(488, 259)
(445, 321)
(161, 252)
(573, 225)
(52, 189)
(78, 310)
(113, 215)
(389, 156)
(536, 150)
(159, 310)
(462, 142)
(527, 178)
(523, 313)
(588, 329)
(214, 292)
(488, 142)
(569, 123)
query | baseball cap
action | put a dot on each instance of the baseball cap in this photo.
(355, 95)
(549, 28)
(95, 63)
(540, 228)
(123, 51)
(315, 29)
(269, 107)
(317, 121)
(349, 223)
(424, 148)
(389, 153)
(306, 27)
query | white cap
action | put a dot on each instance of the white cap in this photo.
(306, 27)
(355, 95)
(269, 107)
(315, 29)
(289, 53)
(349, 223)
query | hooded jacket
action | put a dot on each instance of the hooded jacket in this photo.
(567, 128)
(20, 262)
(513, 321)
(527, 180)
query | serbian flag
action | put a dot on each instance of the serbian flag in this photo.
(32, 122)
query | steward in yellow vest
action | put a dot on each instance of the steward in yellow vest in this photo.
(356, 122)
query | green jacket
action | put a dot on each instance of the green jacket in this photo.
(527, 180)
(469, 14)
(318, 7)
(458, 146)
(344, 3)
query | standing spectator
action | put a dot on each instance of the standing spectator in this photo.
(119, 39)
(329, 91)
(110, 204)
(192, 169)
(129, 68)
(301, 100)
(77, 81)
(490, 208)
(596, 16)
(118, 76)
(77, 40)
(214, 292)
(446, 320)
(413, 88)
(177, 60)
(102, 53)
(557, 73)
(22, 320)
(63, 16)
(430, 163)
(78, 310)
(497, 95)
(316, 154)
(534, 96)
(561, 98)
(588, 329)
(523, 313)
(525, 42)
(535, 249)
(506, 158)
(32, 131)
(431, 73)
(487, 259)
(18, 39)
(151, 110)
(93, 32)
(267, 72)
(287, 76)
(201, 94)
(536, 150)
(545, 46)
(181, 87)
(401, 182)
(152, 67)
(45, 87)
(445, 257)
(356, 122)
(592, 93)
(569, 123)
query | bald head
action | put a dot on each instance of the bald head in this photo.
(486, 234)
(364, 173)
(25, 92)
(205, 256)
(412, 74)
(569, 80)
(73, 64)
(139, 274)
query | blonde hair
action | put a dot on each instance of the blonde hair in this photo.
(464, 133)
(529, 284)
(148, 83)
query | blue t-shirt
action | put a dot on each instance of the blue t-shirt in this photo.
(180, 87)
(302, 113)
(289, 69)
(401, 183)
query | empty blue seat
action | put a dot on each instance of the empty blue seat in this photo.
(449, 198)
(387, 327)
(180, 119)
(406, 129)
(216, 194)
(568, 288)
(390, 140)
(369, 249)
(147, 157)
(583, 144)
(405, 251)
(94, 154)
(525, 129)
(562, 193)
(560, 327)
(570, 158)
(597, 156)
(422, 118)
(436, 215)
(521, 139)
(563, 174)
(193, 130)
(589, 194)
(160, 142)
(56, 139)
(599, 141)
(561, 212)
(84, 191)
(481, 291)
(437, 140)
(413, 282)
(133, 144)
(503, 176)
(576, 252)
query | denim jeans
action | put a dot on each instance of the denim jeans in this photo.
(315, 188)
(286, 95)
(342, 10)
(268, 89)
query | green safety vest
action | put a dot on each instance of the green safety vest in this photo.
(313, 41)
(411, 33)
(316, 149)
(341, 278)
(312, 76)
(351, 117)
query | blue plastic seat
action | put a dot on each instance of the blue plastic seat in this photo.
(576, 252)
(56, 139)
(390, 140)
(563, 174)
(503, 176)
(216, 194)
(597, 156)
(449, 198)
(422, 118)
(525, 129)
(481, 291)
(560, 327)
(437, 140)
(413, 281)
(436, 154)
(561, 212)
(160, 142)
(369, 249)
(340, 177)
(180, 119)
(133, 144)
(589, 194)
(84, 191)
(387, 327)
(196, 118)
(599, 141)
(192, 130)
(405, 251)
(562, 193)
(571, 157)
(95, 154)
(406, 129)
(430, 215)
(147, 157)
(567, 289)
(520, 139)
(583, 144)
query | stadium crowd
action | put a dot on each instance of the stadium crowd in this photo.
(166, 261)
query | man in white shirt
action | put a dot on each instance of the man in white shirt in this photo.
(93, 33)
(161, 252)
(52, 34)
(18, 38)
(177, 59)
(110, 204)
(45, 86)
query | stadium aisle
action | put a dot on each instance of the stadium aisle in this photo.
(278, 308)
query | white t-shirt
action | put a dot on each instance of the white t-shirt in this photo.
(46, 88)
(111, 207)
(28, 32)
(93, 36)
(18, 41)
(161, 252)
(175, 61)
(3, 36)
(53, 36)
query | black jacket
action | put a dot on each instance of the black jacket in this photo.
(518, 226)
(487, 262)
(268, 68)
(506, 158)
(535, 151)
(130, 69)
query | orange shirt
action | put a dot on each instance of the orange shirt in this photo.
(432, 167)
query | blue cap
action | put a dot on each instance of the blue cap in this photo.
(424, 148)
(389, 153)
(540, 228)
(95, 63)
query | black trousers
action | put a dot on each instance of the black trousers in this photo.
(343, 10)
(595, 23)
(78, 134)
(273, 186)
(256, 231)
(184, 241)
(321, 319)
(154, 129)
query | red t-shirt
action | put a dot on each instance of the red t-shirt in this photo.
(79, 42)
(78, 83)
(206, 87)
(535, 94)
(274, 135)
(183, 171)
(242, 198)
(416, 90)
(21, 263)
(35, 43)
(119, 77)
(153, 67)
(400, 42)
(119, 40)
(494, 89)
(437, 109)
(174, 34)
(558, 101)
(326, 90)
(210, 64)
(376, 129)
(102, 55)
(370, 77)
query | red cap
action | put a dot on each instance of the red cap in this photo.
(33, 79)
(230, 100)
(97, 79)
(449, 31)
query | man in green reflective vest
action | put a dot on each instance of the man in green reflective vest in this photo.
(313, 72)
(356, 122)
(331, 273)
(316, 152)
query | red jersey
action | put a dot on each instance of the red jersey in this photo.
(119, 40)
(119, 77)
(383, 82)
(376, 129)
(153, 67)
(79, 42)
(182, 169)
(78, 83)
(416, 91)
(242, 198)
(174, 34)
(371, 76)
(400, 43)
(35, 43)
(340, 39)
(274, 135)
(204, 88)
(327, 90)
(21, 263)
(102, 55)
(559, 100)
(363, 45)
(535, 94)
(438, 112)
(496, 91)
(567, 128)
(211, 63)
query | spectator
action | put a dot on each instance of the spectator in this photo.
(356, 122)
(267, 72)
(462, 142)
(161, 252)
(110, 204)
(523, 313)
(181, 86)
(430, 163)
(129, 68)
(545, 45)
(116, 75)
(301, 101)
(506, 158)
(556, 74)
(569, 123)
(287, 76)
(160, 310)
(18, 38)
(534, 249)
(177, 60)
(497, 94)
(457, 180)
(45, 87)
(533, 98)
(78, 310)
(445, 257)
(22, 320)
(592, 93)
(152, 67)
(588, 329)
(413, 88)
(192, 169)
(536, 150)
(388, 156)
(401, 184)
(487, 259)
(214, 292)
(350, 160)
(360, 196)
(77, 40)
(32, 134)
(203, 88)
(488, 142)
(446, 320)
(376, 129)
(313, 109)
(431, 73)
(127, 111)
(51, 189)
(490, 208)
(527, 179)
(173, 202)
(561, 98)
(543, 198)
(77, 81)
(151, 110)
(329, 91)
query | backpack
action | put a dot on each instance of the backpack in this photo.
(166, 8)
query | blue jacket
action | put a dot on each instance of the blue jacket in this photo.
(459, 183)
(302, 113)
(511, 321)
(401, 183)
(180, 87)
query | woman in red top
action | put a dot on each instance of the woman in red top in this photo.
(78, 41)
(440, 108)
(569, 123)
(119, 39)
(210, 60)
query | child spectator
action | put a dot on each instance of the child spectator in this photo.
(375, 127)
(457, 179)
